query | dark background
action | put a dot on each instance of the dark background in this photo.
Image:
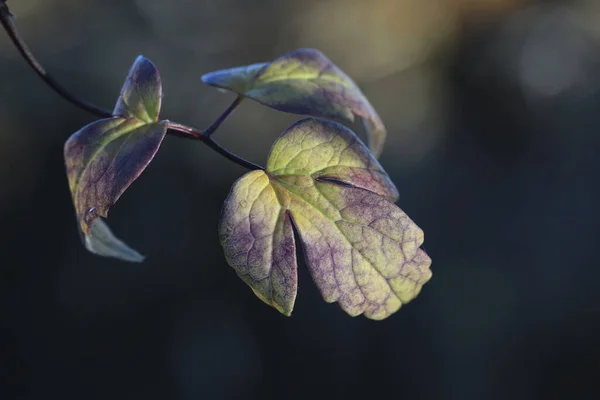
(493, 112)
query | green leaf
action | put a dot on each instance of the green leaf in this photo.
(106, 156)
(304, 82)
(361, 249)
(141, 94)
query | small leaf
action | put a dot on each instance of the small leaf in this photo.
(304, 82)
(141, 94)
(361, 249)
(106, 156)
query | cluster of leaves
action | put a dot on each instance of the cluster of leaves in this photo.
(320, 182)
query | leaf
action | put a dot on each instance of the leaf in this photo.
(361, 250)
(141, 94)
(305, 82)
(106, 156)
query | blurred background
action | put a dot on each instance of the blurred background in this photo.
(493, 113)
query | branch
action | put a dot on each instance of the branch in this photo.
(15, 37)
(215, 125)
(191, 133)
(175, 129)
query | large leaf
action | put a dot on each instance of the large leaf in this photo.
(106, 156)
(304, 82)
(361, 249)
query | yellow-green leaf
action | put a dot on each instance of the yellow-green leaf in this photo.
(304, 82)
(361, 249)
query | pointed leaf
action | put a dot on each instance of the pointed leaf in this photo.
(106, 156)
(141, 94)
(305, 82)
(102, 160)
(361, 249)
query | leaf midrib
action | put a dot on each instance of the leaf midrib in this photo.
(300, 78)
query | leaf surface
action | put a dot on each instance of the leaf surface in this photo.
(105, 157)
(304, 82)
(362, 251)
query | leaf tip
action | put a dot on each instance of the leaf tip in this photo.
(206, 78)
(141, 95)
(221, 79)
(103, 242)
(285, 309)
(143, 62)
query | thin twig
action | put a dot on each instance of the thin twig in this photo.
(209, 141)
(15, 37)
(215, 125)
